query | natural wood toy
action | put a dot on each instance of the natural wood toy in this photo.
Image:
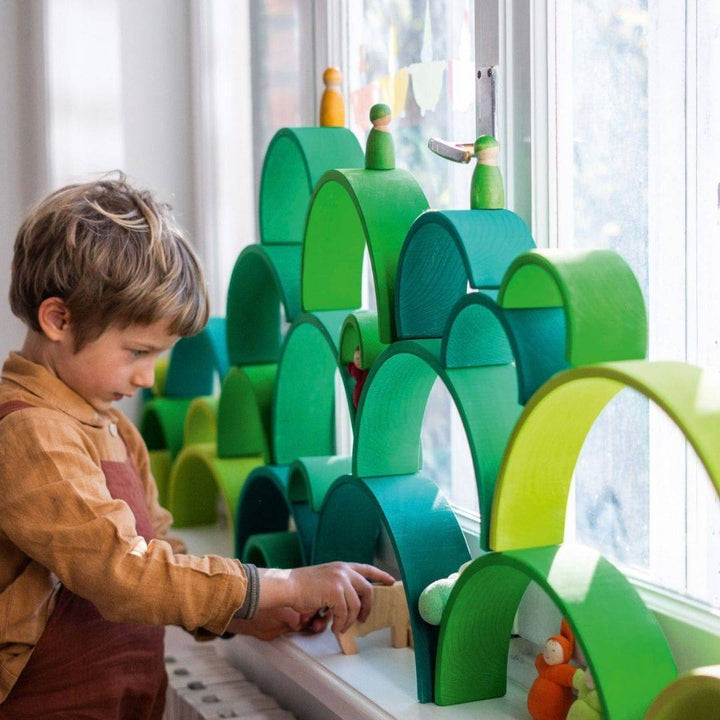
(486, 187)
(332, 108)
(389, 610)
(587, 706)
(380, 148)
(356, 371)
(551, 695)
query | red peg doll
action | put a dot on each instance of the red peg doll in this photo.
(356, 371)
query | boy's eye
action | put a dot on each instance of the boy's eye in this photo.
(138, 353)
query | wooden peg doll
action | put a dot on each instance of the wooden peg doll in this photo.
(486, 188)
(380, 148)
(332, 108)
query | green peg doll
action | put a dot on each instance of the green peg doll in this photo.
(380, 148)
(486, 188)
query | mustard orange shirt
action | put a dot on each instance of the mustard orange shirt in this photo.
(60, 525)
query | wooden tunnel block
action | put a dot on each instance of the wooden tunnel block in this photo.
(263, 506)
(244, 412)
(532, 488)
(389, 610)
(264, 282)
(601, 297)
(408, 507)
(390, 415)
(162, 423)
(361, 330)
(695, 695)
(624, 646)
(196, 479)
(303, 421)
(273, 550)
(200, 424)
(196, 361)
(352, 209)
(444, 253)
(294, 162)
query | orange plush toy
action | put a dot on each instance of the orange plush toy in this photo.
(551, 694)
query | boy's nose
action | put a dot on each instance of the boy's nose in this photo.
(145, 377)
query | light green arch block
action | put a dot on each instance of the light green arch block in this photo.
(695, 695)
(532, 488)
(624, 646)
(604, 306)
(295, 160)
(390, 415)
(360, 330)
(349, 210)
(201, 422)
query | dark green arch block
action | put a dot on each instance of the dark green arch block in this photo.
(389, 422)
(264, 279)
(446, 251)
(603, 303)
(263, 506)
(295, 160)
(424, 533)
(244, 411)
(304, 402)
(360, 330)
(534, 481)
(309, 480)
(162, 423)
(349, 210)
(195, 360)
(480, 332)
(625, 648)
(273, 550)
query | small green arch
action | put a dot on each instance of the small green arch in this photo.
(360, 330)
(695, 695)
(201, 421)
(273, 550)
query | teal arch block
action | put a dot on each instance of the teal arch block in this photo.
(352, 209)
(480, 332)
(304, 403)
(264, 282)
(295, 160)
(263, 506)
(534, 481)
(361, 330)
(273, 550)
(244, 411)
(389, 422)
(310, 479)
(162, 424)
(624, 646)
(194, 362)
(444, 253)
(600, 295)
(425, 536)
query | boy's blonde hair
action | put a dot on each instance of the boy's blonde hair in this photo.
(114, 255)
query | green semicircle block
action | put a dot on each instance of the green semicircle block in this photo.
(295, 160)
(410, 508)
(195, 361)
(273, 550)
(603, 303)
(162, 424)
(197, 477)
(304, 402)
(161, 371)
(264, 281)
(244, 411)
(200, 425)
(263, 506)
(360, 330)
(444, 253)
(160, 465)
(624, 646)
(349, 210)
(532, 488)
(390, 415)
(695, 695)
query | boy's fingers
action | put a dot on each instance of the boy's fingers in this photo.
(340, 614)
(373, 574)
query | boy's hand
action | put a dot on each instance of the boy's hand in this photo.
(344, 588)
(273, 622)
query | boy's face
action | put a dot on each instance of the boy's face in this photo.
(114, 365)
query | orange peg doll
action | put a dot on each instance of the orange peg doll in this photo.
(332, 109)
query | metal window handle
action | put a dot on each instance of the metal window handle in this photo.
(487, 108)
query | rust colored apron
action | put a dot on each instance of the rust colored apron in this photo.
(85, 667)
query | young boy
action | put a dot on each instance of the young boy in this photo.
(105, 283)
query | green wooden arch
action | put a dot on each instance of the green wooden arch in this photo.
(603, 303)
(349, 210)
(445, 251)
(623, 643)
(532, 488)
(410, 508)
(695, 695)
(294, 162)
(162, 423)
(360, 330)
(390, 415)
(304, 403)
(201, 421)
(265, 279)
(273, 550)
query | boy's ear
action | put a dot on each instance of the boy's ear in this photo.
(54, 318)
